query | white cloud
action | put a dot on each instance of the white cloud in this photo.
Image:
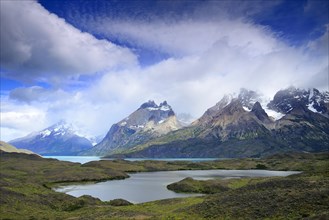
(320, 46)
(190, 84)
(19, 119)
(189, 37)
(39, 46)
(208, 59)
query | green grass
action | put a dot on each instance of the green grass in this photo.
(189, 185)
(26, 180)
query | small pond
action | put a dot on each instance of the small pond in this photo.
(150, 186)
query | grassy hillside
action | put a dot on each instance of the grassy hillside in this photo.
(26, 180)
(11, 149)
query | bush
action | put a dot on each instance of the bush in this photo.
(261, 167)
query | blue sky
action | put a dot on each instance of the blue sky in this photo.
(94, 62)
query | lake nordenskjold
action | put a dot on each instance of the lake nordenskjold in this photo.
(86, 159)
(149, 186)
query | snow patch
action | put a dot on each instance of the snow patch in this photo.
(123, 123)
(311, 108)
(45, 133)
(161, 121)
(274, 114)
(165, 108)
(311, 94)
(326, 97)
(271, 113)
(246, 109)
(136, 126)
(152, 109)
(162, 108)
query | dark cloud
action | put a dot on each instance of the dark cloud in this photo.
(28, 95)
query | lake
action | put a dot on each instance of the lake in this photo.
(86, 159)
(150, 186)
(75, 159)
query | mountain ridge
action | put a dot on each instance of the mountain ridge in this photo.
(240, 127)
(148, 121)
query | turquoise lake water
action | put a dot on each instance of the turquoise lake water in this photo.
(85, 159)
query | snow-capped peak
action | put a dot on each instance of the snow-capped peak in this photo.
(286, 100)
(45, 133)
(148, 113)
(62, 128)
(59, 129)
(152, 106)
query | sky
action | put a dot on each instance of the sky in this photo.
(93, 62)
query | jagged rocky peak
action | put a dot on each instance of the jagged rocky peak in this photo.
(211, 112)
(221, 104)
(257, 107)
(148, 121)
(164, 103)
(148, 111)
(248, 98)
(235, 106)
(149, 104)
(286, 100)
(152, 106)
(60, 128)
(318, 101)
(244, 101)
(260, 112)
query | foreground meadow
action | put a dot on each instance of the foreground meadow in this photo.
(27, 180)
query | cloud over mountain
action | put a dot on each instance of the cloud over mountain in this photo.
(200, 52)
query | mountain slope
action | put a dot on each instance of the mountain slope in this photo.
(147, 122)
(58, 139)
(240, 127)
(11, 149)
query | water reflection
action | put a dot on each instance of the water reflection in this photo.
(144, 187)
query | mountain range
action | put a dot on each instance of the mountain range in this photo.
(241, 125)
(245, 126)
(58, 139)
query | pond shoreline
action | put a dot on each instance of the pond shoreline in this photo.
(24, 194)
(140, 186)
